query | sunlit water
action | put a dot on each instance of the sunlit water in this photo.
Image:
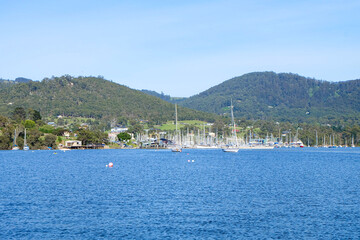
(148, 194)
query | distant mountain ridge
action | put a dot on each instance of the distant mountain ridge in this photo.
(282, 97)
(156, 94)
(163, 96)
(90, 97)
(258, 95)
(17, 80)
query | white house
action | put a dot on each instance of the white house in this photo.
(72, 143)
(119, 129)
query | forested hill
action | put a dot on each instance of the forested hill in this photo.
(17, 80)
(282, 97)
(162, 96)
(90, 97)
(156, 94)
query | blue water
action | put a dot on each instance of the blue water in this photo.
(148, 194)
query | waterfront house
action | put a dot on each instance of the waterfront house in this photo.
(73, 143)
(118, 130)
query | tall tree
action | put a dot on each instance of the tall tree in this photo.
(34, 115)
(19, 114)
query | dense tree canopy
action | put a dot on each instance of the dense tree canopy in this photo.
(124, 136)
(88, 97)
(19, 114)
(91, 137)
(282, 97)
(265, 103)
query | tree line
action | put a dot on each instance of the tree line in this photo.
(40, 135)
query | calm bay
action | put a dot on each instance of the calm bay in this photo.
(197, 194)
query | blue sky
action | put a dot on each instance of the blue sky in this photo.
(179, 47)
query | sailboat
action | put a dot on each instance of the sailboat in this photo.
(232, 148)
(15, 147)
(324, 142)
(316, 139)
(26, 147)
(177, 147)
(352, 142)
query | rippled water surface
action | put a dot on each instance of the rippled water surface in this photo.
(286, 194)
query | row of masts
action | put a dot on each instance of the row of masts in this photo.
(15, 146)
(205, 137)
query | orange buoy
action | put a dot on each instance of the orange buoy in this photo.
(111, 164)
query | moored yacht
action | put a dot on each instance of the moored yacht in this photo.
(26, 147)
(15, 147)
(177, 147)
(232, 148)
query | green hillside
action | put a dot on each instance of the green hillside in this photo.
(162, 96)
(282, 97)
(90, 97)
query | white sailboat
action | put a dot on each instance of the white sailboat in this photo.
(232, 148)
(15, 147)
(177, 147)
(26, 147)
(352, 142)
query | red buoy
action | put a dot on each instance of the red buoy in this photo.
(111, 164)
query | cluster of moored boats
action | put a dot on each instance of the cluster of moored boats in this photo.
(233, 144)
(16, 147)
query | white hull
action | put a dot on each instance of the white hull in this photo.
(233, 150)
(176, 150)
(257, 147)
(64, 149)
(206, 147)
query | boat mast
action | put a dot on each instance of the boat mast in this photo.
(25, 139)
(280, 138)
(352, 141)
(176, 125)
(204, 136)
(15, 138)
(233, 123)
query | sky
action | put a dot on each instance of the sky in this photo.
(182, 47)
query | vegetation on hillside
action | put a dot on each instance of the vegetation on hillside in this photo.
(283, 97)
(162, 96)
(38, 134)
(91, 97)
(156, 94)
(41, 135)
(265, 103)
